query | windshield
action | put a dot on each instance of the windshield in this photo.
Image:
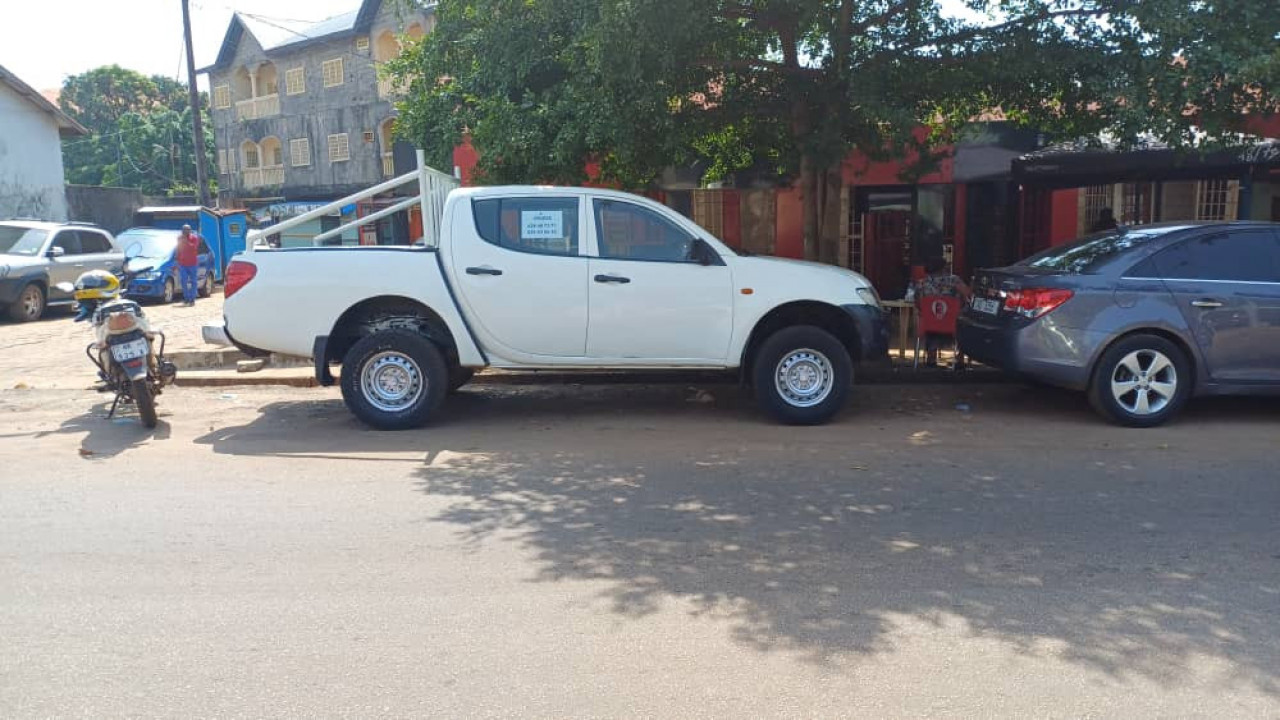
(1091, 251)
(155, 244)
(21, 241)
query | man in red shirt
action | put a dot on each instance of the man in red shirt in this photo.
(188, 263)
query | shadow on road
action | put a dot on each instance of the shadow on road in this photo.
(107, 437)
(1022, 520)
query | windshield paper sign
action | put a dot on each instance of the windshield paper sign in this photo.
(541, 224)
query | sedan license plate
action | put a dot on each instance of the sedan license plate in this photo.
(986, 305)
(131, 350)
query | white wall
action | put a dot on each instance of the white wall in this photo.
(31, 180)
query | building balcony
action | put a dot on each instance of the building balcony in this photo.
(263, 177)
(260, 107)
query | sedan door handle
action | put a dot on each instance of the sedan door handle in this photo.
(612, 279)
(1207, 304)
(485, 270)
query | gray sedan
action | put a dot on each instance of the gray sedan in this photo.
(1141, 318)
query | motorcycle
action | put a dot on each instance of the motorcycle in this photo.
(129, 364)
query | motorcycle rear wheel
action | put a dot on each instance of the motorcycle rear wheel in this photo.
(146, 403)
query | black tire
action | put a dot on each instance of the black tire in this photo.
(459, 376)
(407, 358)
(145, 402)
(829, 394)
(206, 287)
(170, 291)
(30, 304)
(1161, 403)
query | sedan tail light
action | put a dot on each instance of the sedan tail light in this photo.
(239, 273)
(1034, 302)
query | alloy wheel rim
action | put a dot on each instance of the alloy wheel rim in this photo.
(804, 378)
(1144, 382)
(31, 302)
(169, 292)
(392, 381)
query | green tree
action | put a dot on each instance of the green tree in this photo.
(141, 131)
(793, 85)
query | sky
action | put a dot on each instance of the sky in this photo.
(44, 41)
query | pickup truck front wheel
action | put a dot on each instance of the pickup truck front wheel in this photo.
(394, 379)
(802, 375)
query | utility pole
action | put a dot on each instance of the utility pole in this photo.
(197, 124)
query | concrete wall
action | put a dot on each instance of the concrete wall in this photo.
(353, 108)
(31, 178)
(110, 207)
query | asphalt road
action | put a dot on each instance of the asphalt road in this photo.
(637, 551)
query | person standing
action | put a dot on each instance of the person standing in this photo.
(188, 263)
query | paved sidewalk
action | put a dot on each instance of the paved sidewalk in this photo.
(49, 353)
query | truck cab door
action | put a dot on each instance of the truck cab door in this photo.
(521, 278)
(658, 294)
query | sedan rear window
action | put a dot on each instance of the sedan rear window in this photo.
(20, 240)
(1092, 251)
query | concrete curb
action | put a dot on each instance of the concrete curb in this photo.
(305, 377)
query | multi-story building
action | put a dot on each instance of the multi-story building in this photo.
(301, 116)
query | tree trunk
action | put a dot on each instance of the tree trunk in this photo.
(810, 199)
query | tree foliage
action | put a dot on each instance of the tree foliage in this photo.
(141, 131)
(788, 87)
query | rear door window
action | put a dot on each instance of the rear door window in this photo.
(94, 242)
(1238, 256)
(545, 226)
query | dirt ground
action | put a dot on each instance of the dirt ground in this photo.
(637, 551)
(49, 353)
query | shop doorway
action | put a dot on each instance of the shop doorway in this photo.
(886, 238)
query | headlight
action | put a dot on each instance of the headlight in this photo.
(869, 296)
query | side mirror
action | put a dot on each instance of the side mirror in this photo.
(702, 253)
(56, 252)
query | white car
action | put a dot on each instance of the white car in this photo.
(36, 256)
(540, 278)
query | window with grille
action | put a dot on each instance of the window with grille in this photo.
(332, 71)
(339, 149)
(300, 152)
(368, 136)
(251, 157)
(222, 162)
(1212, 199)
(362, 44)
(276, 155)
(222, 97)
(1136, 208)
(295, 81)
(1096, 198)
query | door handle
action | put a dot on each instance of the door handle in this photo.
(612, 279)
(485, 270)
(1206, 304)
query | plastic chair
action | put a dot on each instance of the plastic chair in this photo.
(936, 315)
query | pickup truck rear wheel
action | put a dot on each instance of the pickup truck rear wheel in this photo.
(394, 379)
(802, 375)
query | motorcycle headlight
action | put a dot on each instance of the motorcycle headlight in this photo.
(869, 296)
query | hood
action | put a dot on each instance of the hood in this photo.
(807, 268)
(21, 262)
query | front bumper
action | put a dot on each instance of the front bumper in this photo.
(872, 325)
(146, 288)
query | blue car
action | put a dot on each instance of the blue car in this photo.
(157, 247)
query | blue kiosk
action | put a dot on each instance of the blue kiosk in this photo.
(224, 230)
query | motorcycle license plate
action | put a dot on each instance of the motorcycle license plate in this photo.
(985, 305)
(131, 350)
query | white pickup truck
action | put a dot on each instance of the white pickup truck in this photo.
(540, 278)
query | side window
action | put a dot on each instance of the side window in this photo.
(204, 248)
(1241, 255)
(92, 242)
(547, 226)
(631, 232)
(69, 241)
